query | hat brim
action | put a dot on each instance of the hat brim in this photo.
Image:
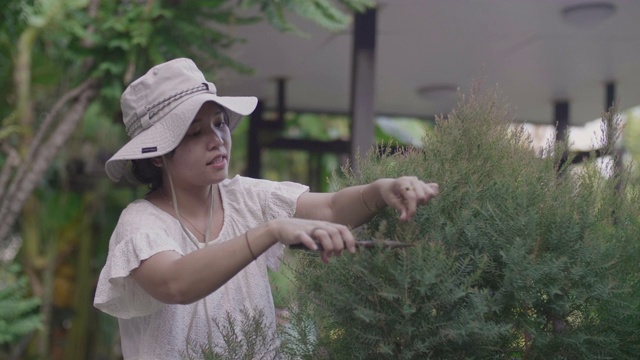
(165, 135)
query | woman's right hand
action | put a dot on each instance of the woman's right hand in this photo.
(334, 238)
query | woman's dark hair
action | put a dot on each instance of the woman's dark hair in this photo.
(147, 173)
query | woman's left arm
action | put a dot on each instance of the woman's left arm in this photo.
(353, 206)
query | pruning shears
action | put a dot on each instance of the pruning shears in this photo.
(366, 244)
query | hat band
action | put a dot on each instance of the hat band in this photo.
(150, 112)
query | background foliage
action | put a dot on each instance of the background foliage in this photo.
(63, 67)
(18, 314)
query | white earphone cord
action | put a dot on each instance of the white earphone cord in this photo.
(196, 243)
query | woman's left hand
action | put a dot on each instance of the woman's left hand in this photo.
(407, 193)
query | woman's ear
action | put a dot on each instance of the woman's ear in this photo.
(157, 161)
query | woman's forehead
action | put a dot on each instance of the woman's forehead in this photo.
(209, 108)
(209, 111)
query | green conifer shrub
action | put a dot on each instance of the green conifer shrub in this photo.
(520, 256)
(244, 338)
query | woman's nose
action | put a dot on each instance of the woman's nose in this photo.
(214, 137)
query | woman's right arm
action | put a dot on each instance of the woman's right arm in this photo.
(176, 279)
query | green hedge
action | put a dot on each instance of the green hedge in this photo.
(520, 257)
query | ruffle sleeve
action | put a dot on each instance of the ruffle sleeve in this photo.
(280, 202)
(137, 237)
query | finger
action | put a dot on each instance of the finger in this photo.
(306, 240)
(336, 240)
(424, 193)
(409, 198)
(431, 191)
(397, 202)
(348, 239)
(322, 237)
(435, 188)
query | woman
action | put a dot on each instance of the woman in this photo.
(195, 250)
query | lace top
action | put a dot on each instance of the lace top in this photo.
(150, 329)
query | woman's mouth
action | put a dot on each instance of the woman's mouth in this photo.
(218, 162)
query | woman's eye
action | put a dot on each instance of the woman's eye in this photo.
(220, 124)
(220, 120)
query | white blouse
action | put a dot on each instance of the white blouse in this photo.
(150, 329)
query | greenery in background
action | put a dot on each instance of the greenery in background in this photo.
(300, 164)
(324, 127)
(514, 259)
(631, 138)
(323, 12)
(63, 66)
(18, 312)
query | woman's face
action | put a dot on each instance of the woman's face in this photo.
(202, 157)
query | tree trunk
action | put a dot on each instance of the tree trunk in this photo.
(76, 348)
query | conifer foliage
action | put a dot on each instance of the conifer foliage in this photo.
(520, 256)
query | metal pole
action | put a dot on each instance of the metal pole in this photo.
(363, 83)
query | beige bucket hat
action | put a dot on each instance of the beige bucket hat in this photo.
(158, 108)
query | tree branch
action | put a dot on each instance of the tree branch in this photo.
(43, 130)
(14, 202)
(13, 161)
(22, 77)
